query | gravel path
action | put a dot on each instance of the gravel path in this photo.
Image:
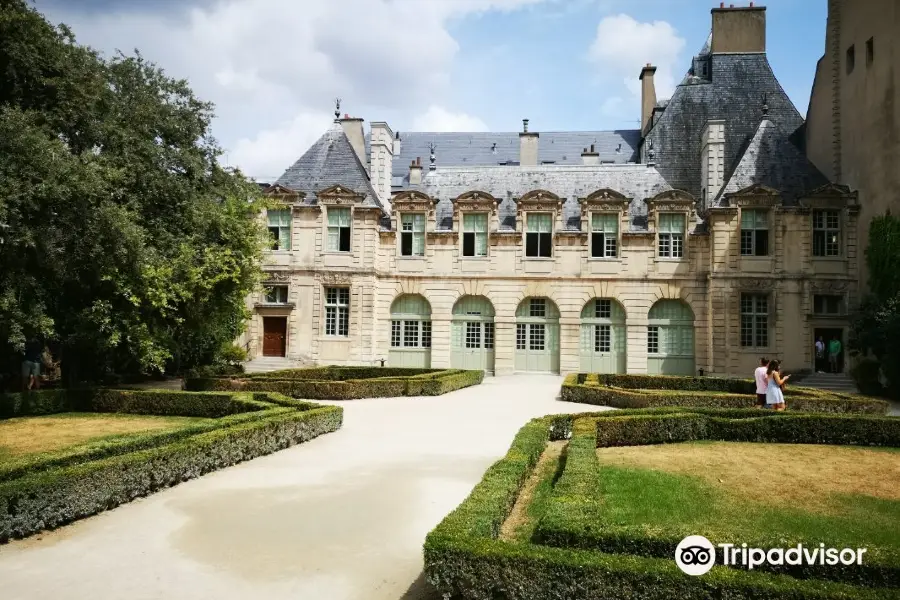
(341, 517)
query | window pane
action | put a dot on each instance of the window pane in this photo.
(537, 307)
(481, 241)
(608, 223)
(344, 239)
(468, 244)
(677, 245)
(546, 245)
(489, 336)
(762, 242)
(671, 223)
(536, 336)
(406, 243)
(339, 217)
(597, 245)
(665, 244)
(343, 321)
(406, 222)
(746, 243)
(426, 334)
(334, 239)
(278, 217)
(395, 334)
(520, 336)
(531, 244)
(410, 334)
(611, 246)
(419, 222)
(473, 335)
(653, 339)
(475, 222)
(418, 244)
(539, 222)
(603, 309)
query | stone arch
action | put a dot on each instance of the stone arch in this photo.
(537, 335)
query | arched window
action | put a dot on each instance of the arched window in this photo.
(472, 334)
(603, 337)
(537, 336)
(670, 338)
(410, 332)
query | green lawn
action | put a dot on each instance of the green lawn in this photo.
(25, 436)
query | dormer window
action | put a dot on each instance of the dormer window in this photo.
(338, 229)
(539, 235)
(412, 235)
(826, 233)
(475, 234)
(279, 223)
(670, 234)
(604, 235)
(754, 232)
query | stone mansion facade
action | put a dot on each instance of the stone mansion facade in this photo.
(701, 241)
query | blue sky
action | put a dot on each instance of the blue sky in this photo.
(273, 67)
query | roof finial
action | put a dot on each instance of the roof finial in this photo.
(432, 166)
(765, 107)
(524, 125)
(337, 108)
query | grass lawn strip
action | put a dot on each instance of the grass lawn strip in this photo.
(533, 496)
(463, 555)
(75, 482)
(644, 512)
(27, 435)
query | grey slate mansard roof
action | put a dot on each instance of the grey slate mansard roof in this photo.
(330, 161)
(738, 85)
(771, 159)
(568, 182)
(476, 149)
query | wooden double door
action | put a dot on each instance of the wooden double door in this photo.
(274, 336)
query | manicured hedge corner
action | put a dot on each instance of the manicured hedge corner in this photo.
(646, 391)
(50, 489)
(572, 557)
(345, 383)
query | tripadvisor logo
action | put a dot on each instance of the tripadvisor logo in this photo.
(696, 555)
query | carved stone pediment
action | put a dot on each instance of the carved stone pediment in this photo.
(476, 200)
(543, 198)
(830, 286)
(338, 195)
(673, 201)
(605, 199)
(831, 196)
(757, 189)
(276, 277)
(413, 201)
(284, 194)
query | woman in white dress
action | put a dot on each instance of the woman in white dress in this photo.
(774, 393)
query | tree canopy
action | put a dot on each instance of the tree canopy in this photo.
(123, 242)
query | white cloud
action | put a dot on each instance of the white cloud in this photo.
(437, 118)
(624, 45)
(273, 67)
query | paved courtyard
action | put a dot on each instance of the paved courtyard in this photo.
(341, 517)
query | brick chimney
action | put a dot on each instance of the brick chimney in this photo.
(528, 146)
(738, 30)
(353, 127)
(590, 157)
(415, 171)
(648, 96)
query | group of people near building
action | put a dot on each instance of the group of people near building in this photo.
(770, 384)
(834, 352)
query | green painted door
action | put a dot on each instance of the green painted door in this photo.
(410, 332)
(603, 338)
(670, 339)
(472, 334)
(537, 336)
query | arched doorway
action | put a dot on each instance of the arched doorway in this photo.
(537, 336)
(603, 338)
(670, 338)
(472, 334)
(410, 332)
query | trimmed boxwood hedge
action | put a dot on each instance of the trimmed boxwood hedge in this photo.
(51, 489)
(622, 391)
(575, 516)
(346, 383)
(464, 558)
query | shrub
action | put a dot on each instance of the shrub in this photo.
(335, 383)
(52, 489)
(867, 375)
(663, 391)
(464, 558)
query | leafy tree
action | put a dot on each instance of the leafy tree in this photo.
(122, 241)
(876, 325)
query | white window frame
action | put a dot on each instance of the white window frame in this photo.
(757, 322)
(672, 239)
(273, 295)
(823, 227)
(605, 252)
(337, 312)
(475, 234)
(337, 228)
(413, 233)
(277, 241)
(752, 230)
(538, 256)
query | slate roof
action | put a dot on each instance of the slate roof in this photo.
(478, 149)
(568, 182)
(771, 159)
(330, 161)
(735, 92)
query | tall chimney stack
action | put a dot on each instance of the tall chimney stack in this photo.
(415, 171)
(353, 128)
(528, 146)
(590, 157)
(648, 96)
(738, 30)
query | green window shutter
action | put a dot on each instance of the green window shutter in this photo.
(539, 223)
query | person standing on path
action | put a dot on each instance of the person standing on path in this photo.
(31, 365)
(760, 376)
(834, 351)
(774, 388)
(820, 355)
